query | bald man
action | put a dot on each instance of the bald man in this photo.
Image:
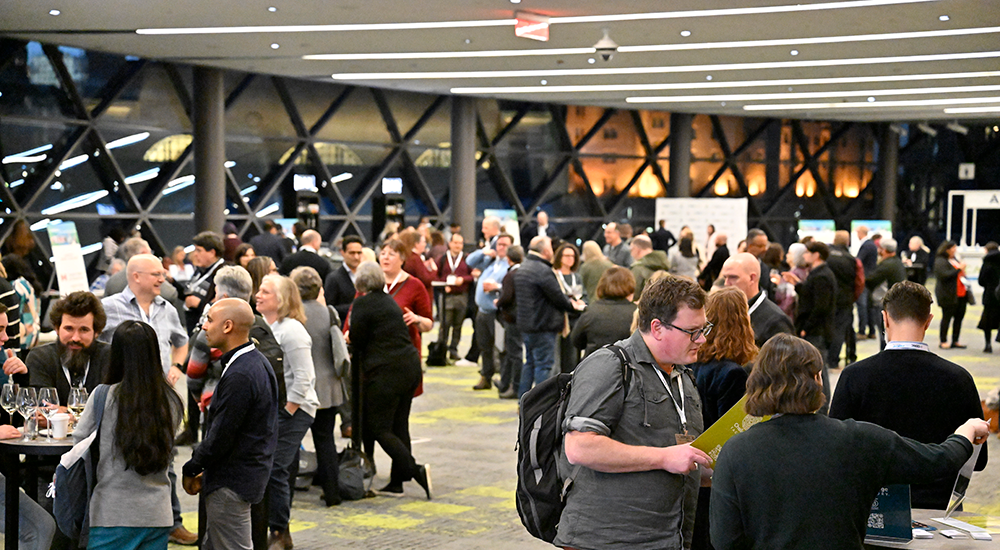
(307, 255)
(767, 319)
(233, 464)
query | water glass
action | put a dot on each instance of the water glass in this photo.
(27, 403)
(48, 401)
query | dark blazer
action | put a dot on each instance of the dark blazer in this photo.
(817, 302)
(339, 291)
(946, 290)
(305, 258)
(270, 245)
(921, 264)
(768, 320)
(45, 368)
(540, 301)
(662, 239)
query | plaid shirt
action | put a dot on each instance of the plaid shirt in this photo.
(162, 317)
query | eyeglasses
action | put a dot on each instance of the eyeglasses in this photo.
(694, 334)
(155, 274)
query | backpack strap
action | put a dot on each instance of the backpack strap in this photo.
(626, 366)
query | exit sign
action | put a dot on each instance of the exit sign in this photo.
(531, 25)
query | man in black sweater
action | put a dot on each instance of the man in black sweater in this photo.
(908, 389)
(889, 271)
(844, 267)
(238, 449)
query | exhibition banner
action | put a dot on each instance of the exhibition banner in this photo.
(70, 270)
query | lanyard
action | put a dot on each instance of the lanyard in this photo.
(920, 346)
(680, 390)
(69, 378)
(760, 300)
(388, 288)
(208, 273)
(236, 355)
(454, 265)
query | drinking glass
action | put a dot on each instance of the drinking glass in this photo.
(48, 401)
(27, 402)
(77, 402)
(8, 399)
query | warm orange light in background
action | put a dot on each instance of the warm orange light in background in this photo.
(721, 187)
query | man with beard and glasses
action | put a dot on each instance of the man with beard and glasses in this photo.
(76, 359)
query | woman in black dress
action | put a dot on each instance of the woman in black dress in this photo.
(989, 279)
(950, 292)
(390, 368)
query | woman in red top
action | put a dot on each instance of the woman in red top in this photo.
(407, 291)
(415, 245)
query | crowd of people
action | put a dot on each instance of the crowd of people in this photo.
(253, 328)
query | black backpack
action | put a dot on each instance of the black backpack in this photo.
(541, 494)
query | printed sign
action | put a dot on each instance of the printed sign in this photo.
(890, 515)
(71, 272)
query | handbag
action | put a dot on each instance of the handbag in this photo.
(76, 476)
(355, 468)
(341, 357)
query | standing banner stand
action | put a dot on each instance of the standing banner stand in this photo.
(729, 216)
(70, 270)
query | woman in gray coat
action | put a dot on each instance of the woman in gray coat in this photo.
(329, 387)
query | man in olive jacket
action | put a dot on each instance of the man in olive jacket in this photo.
(647, 261)
(541, 309)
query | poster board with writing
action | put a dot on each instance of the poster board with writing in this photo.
(729, 216)
(71, 272)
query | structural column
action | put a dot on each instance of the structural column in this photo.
(209, 149)
(463, 165)
(681, 133)
(888, 167)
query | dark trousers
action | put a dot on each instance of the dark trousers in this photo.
(291, 430)
(486, 336)
(194, 386)
(386, 418)
(821, 344)
(956, 312)
(451, 322)
(513, 358)
(327, 461)
(842, 322)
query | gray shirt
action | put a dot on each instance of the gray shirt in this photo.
(645, 510)
(619, 255)
(329, 387)
(123, 498)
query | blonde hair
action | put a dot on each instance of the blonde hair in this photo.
(289, 299)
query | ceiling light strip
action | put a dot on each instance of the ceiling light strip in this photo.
(869, 105)
(437, 75)
(809, 41)
(971, 110)
(424, 25)
(813, 95)
(383, 56)
(761, 10)
(716, 84)
(364, 27)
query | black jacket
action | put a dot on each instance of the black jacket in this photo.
(540, 301)
(305, 258)
(890, 271)
(768, 320)
(339, 291)
(817, 302)
(844, 269)
(45, 368)
(946, 290)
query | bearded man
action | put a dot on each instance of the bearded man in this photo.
(76, 358)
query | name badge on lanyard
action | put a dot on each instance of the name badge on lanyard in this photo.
(684, 437)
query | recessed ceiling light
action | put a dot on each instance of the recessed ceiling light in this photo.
(944, 18)
(685, 33)
(723, 103)
(709, 77)
(54, 12)
(468, 41)
(726, 84)
(871, 99)
(515, 1)
(275, 46)
(544, 82)
(272, 9)
(794, 52)
(672, 69)
(591, 60)
(788, 8)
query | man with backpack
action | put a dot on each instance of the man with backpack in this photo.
(628, 424)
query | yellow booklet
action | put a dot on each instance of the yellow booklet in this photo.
(735, 421)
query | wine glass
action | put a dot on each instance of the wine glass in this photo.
(48, 401)
(27, 402)
(77, 402)
(8, 399)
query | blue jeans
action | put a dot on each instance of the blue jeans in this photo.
(865, 325)
(291, 430)
(35, 526)
(539, 356)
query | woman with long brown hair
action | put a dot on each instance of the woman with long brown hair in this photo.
(721, 375)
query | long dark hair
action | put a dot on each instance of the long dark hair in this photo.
(144, 432)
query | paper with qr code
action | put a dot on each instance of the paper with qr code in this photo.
(735, 421)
